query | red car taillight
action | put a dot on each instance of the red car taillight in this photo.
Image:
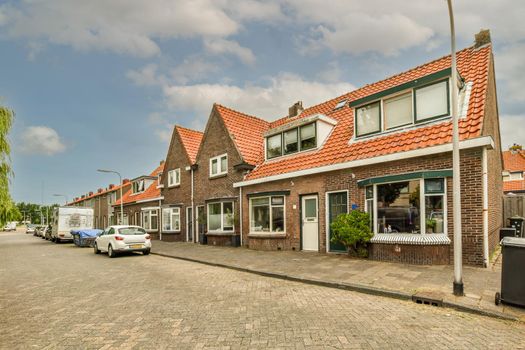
(147, 237)
(118, 238)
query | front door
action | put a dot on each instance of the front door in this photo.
(189, 223)
(310, 223)
(337, 205)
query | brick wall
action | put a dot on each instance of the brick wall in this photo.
(178, 195)
(217, 141)
(320, 184)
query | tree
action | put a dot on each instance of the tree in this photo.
(7, 210)
(353, 231)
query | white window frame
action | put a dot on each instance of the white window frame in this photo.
(270, 215)
(222, 217)
(422, 208)
(174, 177)
(175, 211)
(149, 213)
(220, 171)
(519, 173)
(138, 182)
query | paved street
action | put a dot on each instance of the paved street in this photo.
(61, 296)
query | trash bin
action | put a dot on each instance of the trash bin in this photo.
(507, 232)
(512, 281)
(517, 223)
(236, 241)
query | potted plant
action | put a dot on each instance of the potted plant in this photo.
(431, 225)
(353, 231)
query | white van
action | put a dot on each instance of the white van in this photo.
(66, 219)
(10, 226)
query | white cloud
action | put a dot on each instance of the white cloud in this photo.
(147, 76)
(512, 130)
(192, 69)
(510, 67)
(268, 101)
(41, 140)
(222, 46)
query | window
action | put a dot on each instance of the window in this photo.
(174, 177)
(291, 144)
(431, 101)
(398, 111)
(137, 218)
(516, 175)
(220, 217)
(274, 146)
(368, 119)
(170, 219)
(308, 137)
(219, 165)
(267, 214)
(159, 180)
(397, 207)
(138, 186)
(150, 220)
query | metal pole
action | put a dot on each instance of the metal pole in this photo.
(456, 178)
(121, 200)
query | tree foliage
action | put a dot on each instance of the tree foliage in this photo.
(35, 212)
(353, 231)
(7, 209)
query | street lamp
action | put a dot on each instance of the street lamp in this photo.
(120, 180)
(62, 195)
(456, 179)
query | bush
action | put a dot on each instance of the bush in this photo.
(353, 231)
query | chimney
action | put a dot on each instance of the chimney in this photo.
(161, 162)
(111, 186)
(515, 148)
(83, 196)
(90, 193)
(125, 181)
(296, 109)
(100, 190)
(482, 38)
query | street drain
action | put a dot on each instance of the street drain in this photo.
(418, 299)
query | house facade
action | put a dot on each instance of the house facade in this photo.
(141, 203)
(385, 149)
(178, 186)
(514, 170)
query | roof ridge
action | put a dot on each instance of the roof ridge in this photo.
(188, 129)
(244, 114)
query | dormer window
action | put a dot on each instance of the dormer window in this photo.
(274, 146)
(308, 137)
(291, 141)
(403, 107)
(138, 186)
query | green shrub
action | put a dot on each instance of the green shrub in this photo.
(353, 231)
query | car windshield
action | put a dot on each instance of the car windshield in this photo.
(130, 231)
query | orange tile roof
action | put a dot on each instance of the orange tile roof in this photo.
(191, 141)
(96, 194)
(473, 65)
(151, 192)
(514, 160)
(246, 132)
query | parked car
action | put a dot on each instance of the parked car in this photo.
(10, 226)
(30, 228)
(39, 230)
(123, 238)
(47, 233)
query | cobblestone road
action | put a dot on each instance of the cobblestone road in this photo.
(60, 296)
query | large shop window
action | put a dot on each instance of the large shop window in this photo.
(220, 217)
(150, 220)
(267, 214)
(399, 209)
(171, 219)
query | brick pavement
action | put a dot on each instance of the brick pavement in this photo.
(394, 279)
(64, 297)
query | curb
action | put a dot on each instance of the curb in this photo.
(346, 286)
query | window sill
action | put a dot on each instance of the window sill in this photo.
(171, 232)
(218, 176)
(220, 233)
(172, 186)
(267, 235)
(412, 239)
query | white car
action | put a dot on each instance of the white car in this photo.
(30, 228)
(123, 238)
(10, 226)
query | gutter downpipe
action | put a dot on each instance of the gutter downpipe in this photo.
(485, 182)
(240, 213)
(160, 219)
(192, 211)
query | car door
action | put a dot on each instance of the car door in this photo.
(102, 240)
(109, 238)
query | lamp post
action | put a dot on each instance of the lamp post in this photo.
(120, 181)
(456, 179)
(62, 195)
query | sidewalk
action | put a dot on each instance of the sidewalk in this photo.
(373, 277)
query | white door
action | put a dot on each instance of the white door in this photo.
(310, 223)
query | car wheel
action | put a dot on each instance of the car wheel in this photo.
(146, 252)
(57, 240)
(95, 249)
(111, 253)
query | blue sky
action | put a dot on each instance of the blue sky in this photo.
(100, 84)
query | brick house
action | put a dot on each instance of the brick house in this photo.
(514, 170)
(385, 149)
(232, 144)
(177, 185)
(141, 203)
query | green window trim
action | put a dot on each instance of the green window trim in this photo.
(430, 174)
(379, 116)
(268, 148)
(409, 85)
